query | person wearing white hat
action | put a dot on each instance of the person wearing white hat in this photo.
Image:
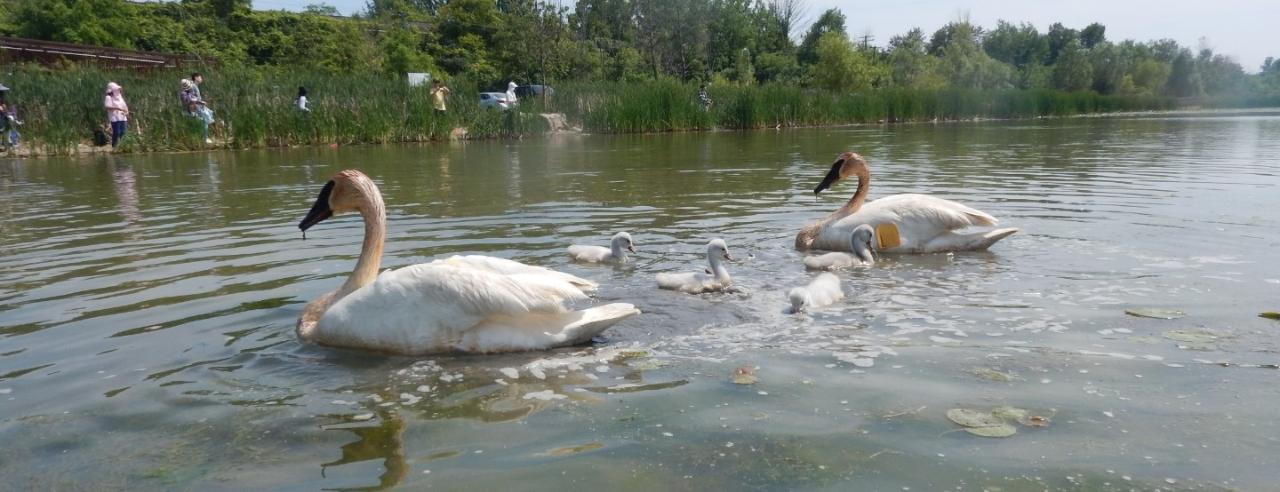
(117, 112)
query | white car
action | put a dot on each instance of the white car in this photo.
(495, 100)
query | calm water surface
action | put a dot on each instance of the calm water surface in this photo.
(147, 306)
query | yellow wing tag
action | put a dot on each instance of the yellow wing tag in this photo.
(887, 236)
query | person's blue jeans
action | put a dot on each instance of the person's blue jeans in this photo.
(117, 131)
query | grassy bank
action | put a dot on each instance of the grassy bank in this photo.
(255, 108)
(670, 106)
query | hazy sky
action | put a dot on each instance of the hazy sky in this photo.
(1244, 29)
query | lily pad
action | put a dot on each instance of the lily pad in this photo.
(1270, 315)
(1012, 413)
(974, 418)
(1158, 313)
(744, 375)
(1002, 430)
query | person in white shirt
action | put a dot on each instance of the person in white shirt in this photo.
(117, 112)
(302, 100)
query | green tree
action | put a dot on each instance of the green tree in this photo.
(1059, 37)
(96, 22)
(910, 64)
(1149, 76)
(831, 21)
(1072, 72)
(1020, 46)
(1184, 78)
(963, 62)
(840, 67)
(1109, 66)
(777, 67)
(1093, 35)
(743, 72)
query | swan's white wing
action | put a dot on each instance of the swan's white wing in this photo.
(596, 254)
(509, 267)
(424, 307)
(920, 220)
(941, 212)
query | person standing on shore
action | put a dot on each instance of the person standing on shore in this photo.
(302, 100)
(511, 93)
(117, 112)
(438, 93)
(703, 98)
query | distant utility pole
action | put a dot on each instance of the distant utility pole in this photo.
(866, 40)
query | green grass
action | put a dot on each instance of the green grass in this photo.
(254, 108)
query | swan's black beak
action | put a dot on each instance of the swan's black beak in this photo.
(832, 176)
(631, 248)
(320, 210)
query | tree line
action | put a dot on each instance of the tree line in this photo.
(740, 42)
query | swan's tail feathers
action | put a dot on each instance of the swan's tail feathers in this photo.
(967, 241)
(980, 218)
(595, 321)
(992, 236)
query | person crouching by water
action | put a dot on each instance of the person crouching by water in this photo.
(195, 105)
(301, 102)
(438, 93)
(117, 112)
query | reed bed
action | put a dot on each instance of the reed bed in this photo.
(254, 108)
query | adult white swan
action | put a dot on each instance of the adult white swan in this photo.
(921, 223)
(465, 303)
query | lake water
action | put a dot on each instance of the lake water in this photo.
(147, 308)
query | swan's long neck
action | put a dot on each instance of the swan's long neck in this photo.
(718, 269)
(375, 232)
(859, 196)
(810, 233)
(860, 250)
(619, 253)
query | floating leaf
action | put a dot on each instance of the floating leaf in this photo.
(1270, 315)
(991, 374)
(1034, 421)
(1002, 430)
(1011, 413)
(633, 388)
(568, 450)
(973, 418)
(1157, 313)
(744, 375)
(1191, 336)
(648, 364)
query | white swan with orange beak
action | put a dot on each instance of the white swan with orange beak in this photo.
(475, 304)
(907, 223)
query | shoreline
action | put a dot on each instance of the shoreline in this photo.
(459, 134)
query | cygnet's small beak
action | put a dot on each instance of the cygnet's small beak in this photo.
(832, 176)
(320, 210)
(727, 256)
